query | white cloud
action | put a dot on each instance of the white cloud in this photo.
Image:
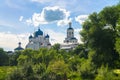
(77, 35)
(29, 21)
(9, 41)
(81, 18)
(48, 15)
(38, 19)
(55, 37)
(21, 18)
(55, 13)
(78, 29)
(64, 22)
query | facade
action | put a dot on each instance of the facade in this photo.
(38, 40)
(19, 48)
(70, 41)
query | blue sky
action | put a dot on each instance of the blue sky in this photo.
(20, 18)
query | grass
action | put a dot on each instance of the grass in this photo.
(5, 70)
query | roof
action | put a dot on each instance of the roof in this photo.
(19, 48)
(39, 32)
(47, 36)
(70, 28)
(30, 36)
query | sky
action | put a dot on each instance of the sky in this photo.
(21, 18)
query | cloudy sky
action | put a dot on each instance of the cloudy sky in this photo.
(20, 18)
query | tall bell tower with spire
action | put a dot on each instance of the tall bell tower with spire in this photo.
(70, 31)
(70, 35)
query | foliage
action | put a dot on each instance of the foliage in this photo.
(6, 70)
(99, 35)
(87, 72)
(98, 58)
(58, 67)
(105, 74)
(56, 46)
(117, 44)
(3, 58)
(13, 58)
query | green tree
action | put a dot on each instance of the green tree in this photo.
(105, 74)
(98, 34)
(56, 46)
(87, 70)
(13, 58)
(81, 51)
(59, 70)
(117, 44)
(25, 57)
(15, 75)
(4, 59)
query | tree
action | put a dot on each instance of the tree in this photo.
(13, 58)
(25, 57)
(105, 74)
(110, 15)
(56, 46)
(15, 75)
(59, 70)
(98, 34)
(4, 59)
(117, 44)
(81, 51)
(23, 73)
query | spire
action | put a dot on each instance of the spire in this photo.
(19, 44)
(38, 28)
(70, 24)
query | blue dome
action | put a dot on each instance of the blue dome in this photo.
(47, 36)
(19, 47)
(39, 32)
(70, 28)
(30, 36)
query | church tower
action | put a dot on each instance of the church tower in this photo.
(70, 41)
(70, 31)
(70, 35)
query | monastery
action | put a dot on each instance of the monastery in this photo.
(39, 40)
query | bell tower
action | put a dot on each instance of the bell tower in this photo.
(70, 35)
(70, 31)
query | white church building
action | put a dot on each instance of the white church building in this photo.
(38, 40)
